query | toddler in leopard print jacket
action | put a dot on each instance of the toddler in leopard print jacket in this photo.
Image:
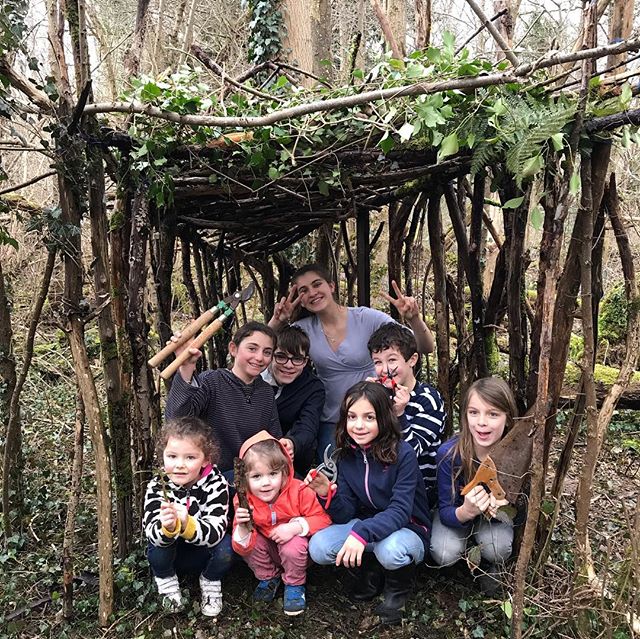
(186, 515)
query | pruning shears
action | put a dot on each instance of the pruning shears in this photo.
(387, 379)
(220, 313)
(328, 468)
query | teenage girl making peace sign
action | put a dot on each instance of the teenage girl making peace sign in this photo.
(339, 336)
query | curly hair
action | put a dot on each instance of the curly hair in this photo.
(392, 334)
(384, 447)
(189, 428)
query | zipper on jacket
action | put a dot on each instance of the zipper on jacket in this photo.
(366, 477)
(274, 516)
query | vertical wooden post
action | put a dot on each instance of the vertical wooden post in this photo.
(362, 258)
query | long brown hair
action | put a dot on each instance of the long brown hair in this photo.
(496, 392)
(384, 447)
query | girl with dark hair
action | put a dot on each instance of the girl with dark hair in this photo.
(339, 335)
(236, 403)
(185, 515)
(486, 416)
(379, 506)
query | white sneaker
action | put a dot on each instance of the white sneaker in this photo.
(211, 597)
(169, 588)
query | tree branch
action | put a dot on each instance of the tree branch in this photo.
(22, 84)
(22, 185)
(212, 65)
(361, 98)
(497, 36)
(386, 29)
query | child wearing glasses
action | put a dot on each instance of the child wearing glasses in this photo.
(299, 396)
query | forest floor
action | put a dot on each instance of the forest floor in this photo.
(445, 604)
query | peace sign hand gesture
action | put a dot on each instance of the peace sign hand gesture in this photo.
(407, 306)
(283, 309)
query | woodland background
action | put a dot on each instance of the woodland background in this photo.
(53, 550)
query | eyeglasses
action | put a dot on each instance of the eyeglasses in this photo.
(296, 360)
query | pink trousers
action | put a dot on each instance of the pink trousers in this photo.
(269, 559)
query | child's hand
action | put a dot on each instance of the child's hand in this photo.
(495, 504)
(168, 516)
(476, 501)
(288, 444)
(189, 367)
(319, 483)
(400, 399)
(350, 555)
(182, 514)
(284, 532)
(243, 516)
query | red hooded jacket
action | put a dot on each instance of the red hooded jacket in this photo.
(295, 500)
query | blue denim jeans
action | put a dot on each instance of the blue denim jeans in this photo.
(182, 558)
(395, 551)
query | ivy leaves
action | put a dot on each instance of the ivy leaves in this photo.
(265, 28)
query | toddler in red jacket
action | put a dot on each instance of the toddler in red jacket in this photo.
(285, 514)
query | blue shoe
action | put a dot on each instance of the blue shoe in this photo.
(267, 589)
(294, 600)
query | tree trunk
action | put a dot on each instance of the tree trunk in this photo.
(12, 461)
(117, 409)
(620, 24)
(133, 55)
(398, 215)
(396, 13)
(597, 427)
(515, 295)
(138, 330)
(91, 402)
(72, 508)
(436, 241)
(308, 36)
(423, 23)
(475, 276)
(12, 446)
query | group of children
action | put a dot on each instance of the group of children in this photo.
(378, 516)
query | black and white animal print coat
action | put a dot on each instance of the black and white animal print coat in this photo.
(207, 502)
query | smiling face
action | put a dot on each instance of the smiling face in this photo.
(362, 423)
(391, 361)
(264, 481)
(315, 293)
(286, 367)
(251, 356)
(183, 461)
(486, 424)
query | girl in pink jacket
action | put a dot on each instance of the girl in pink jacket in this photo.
(285, 514)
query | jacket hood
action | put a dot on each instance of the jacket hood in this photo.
(262, 436)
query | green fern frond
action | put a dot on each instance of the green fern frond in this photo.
(535, 126)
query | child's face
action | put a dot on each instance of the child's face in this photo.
(264, 482)
(286, 367)
(362, 422)
(183, 461)
(252, 356)
(486, 423)
(314, 291)
(391, 362)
